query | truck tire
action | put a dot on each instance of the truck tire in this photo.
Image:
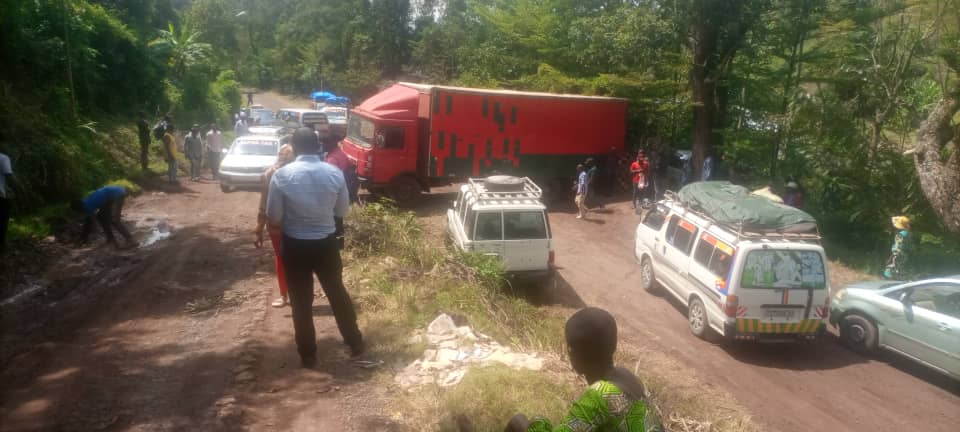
(503, 183)
(405, 191)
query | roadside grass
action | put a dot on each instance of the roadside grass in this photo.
(401, 279)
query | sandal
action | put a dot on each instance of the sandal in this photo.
(279, 303)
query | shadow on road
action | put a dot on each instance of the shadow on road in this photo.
(554, 291)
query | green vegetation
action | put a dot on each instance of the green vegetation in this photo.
(76, 74)
(829, 93)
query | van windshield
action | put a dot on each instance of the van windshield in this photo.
(360, 131)
(772, 268)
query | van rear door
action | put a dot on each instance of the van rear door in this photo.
(526, 240)
(781, 288)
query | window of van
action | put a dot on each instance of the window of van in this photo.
(680, 234)
(654, 219)
(524, 225)
(489, 226)
(714, 255)
(778, 268)
(469, 219)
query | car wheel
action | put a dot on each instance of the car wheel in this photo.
(225, 189)
(647, 278)
(697, 318)
(858, 333)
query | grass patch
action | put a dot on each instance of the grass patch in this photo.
(401, 281)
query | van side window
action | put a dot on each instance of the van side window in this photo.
(714, 255)
(489, 226)
(393, 138)
(704, 251)
(524, 225)
(654, 219)
(469, 219)
(683, 234)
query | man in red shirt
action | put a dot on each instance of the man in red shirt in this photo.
(639, 168)
(336, 157)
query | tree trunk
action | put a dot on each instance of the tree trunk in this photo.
(704, 90)
(937, 158)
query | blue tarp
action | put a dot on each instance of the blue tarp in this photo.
(319, 96)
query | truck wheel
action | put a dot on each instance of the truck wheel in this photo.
(405, 191)
(647, 278)
(858, 333)
(697, 318)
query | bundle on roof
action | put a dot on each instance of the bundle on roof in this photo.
(734, 205)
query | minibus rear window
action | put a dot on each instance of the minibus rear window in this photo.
(778, 268)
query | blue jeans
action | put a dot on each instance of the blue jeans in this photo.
(172, 170)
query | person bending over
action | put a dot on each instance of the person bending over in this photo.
(615, 399)
(105, 205)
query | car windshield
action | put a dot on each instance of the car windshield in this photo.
(254, 148)
(773, 268)
(360, 131)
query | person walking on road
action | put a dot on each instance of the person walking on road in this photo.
(170, 152)
(241, 127)
(640, 169)
(590, 199)
(106, 206)
(615, 399)
(143, 133)
(214, 149)
(193, 147)
(285, 156)
(308, 198)
(6, 194)
(582, 187)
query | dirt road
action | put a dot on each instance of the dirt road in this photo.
(177, 335)
(822, 386)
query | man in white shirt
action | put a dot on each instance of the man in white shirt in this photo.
(6, 193)
(308, 199)
(214, 149)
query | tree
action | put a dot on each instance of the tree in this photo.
(181, 49)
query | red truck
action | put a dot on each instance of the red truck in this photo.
(411, 137)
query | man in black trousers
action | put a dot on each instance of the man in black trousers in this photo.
(308, 198)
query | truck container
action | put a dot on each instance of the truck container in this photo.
(411, 137)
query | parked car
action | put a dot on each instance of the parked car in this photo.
(503, 216)
(919, 320)
(247, 159)
(765, 286)
(337, 116)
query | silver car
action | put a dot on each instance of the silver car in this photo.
(246, 161)
(920, 320)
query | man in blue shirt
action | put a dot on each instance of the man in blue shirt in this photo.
(105, 205)
(308, 199)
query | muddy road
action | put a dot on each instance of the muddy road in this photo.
(820, 386)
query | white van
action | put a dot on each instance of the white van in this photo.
(503, 216)
(760, 286)
(299, 117)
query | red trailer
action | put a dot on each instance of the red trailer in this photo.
(411, 137)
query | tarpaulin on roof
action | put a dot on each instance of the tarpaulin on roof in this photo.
(732, 204)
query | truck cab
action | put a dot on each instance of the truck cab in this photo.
(382, 133)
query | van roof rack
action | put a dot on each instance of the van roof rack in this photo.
(746, 234)
(526, 190)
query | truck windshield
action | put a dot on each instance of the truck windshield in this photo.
(771, 268)
(360, 131)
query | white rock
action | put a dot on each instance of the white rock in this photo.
(447, 355)
(441, 326)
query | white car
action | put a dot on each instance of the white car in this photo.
(247, 159)
(503, 216)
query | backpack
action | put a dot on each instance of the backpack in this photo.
(159, 129)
